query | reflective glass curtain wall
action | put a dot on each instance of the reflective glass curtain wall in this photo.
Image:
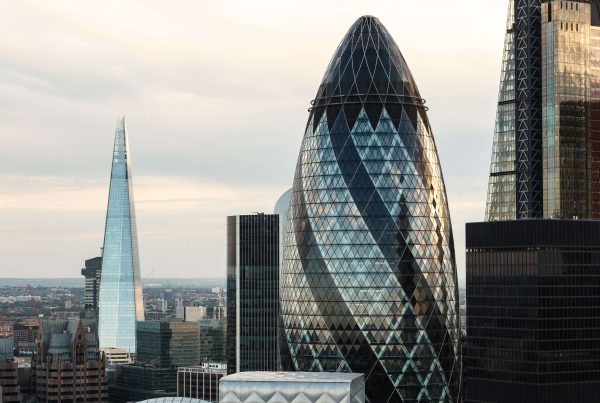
(121, 302)
(501, 202)
(252, 292)
(369, 281)
(533, 296)
(565, 94)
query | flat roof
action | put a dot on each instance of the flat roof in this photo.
(318, 377)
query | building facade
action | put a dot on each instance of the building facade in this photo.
(288, 387)
(166, 344)
(252, 292)
(68, 365)
(369, 280)
(212, 339)
(121, 303)
(25, 335)
(546, 153)
(91, 272)
(527, 280)
(10, 390)
(532, 311)
(201, 382)
(133, 383)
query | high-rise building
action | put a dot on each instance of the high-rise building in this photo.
(369, 283)
(533, 297)
(121, 303)
(546, 155)
(212, 339)
(531, 284)
(165, 344)
(252, 292)
(68, 365)
(162, 347)
(91, 272)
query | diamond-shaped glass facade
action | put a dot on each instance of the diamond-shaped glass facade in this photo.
(369, 281)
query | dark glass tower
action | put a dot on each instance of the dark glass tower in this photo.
(252, 292)
(533, 297)
(369, 281)
(532, 293)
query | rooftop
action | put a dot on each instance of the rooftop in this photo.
(319, 377)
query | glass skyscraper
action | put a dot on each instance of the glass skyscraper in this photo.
(533, 297)
(121, 303)
(501, 202)
(369, 281)
(252, 292)
(546, 153)
(532, 278)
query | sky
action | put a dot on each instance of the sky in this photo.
(216, 95)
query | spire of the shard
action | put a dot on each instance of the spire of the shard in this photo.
(121, 303)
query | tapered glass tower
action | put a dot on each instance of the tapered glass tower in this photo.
(501, 202)
(369, 281)
(121, 303)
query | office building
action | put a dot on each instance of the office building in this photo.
(252, 292)
(532, 311)
(369, 280)
(24, 336)
(162, 346)
(121, 304)
(133, 383)
(117, 356)
(69, 365)
(194, 313)
(546, 153)
(10, 390)
(531, 289)
(212, 339)
(288, 387)
(201, 382)
(165, 344)
(91, 272)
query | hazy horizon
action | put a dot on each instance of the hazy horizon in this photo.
(216, 97)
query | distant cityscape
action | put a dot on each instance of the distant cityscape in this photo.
(347, 291)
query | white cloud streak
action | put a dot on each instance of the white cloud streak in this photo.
(216, 94)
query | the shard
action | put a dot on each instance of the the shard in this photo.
(369, 282)
(121, 302)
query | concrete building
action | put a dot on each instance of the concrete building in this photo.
(284, 387)
(68, 365)
(91, 272)
(10, 391)
(194, 313)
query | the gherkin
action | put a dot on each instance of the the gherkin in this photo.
(368, 282)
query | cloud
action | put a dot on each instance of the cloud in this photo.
(59, 222)
(216, 96)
